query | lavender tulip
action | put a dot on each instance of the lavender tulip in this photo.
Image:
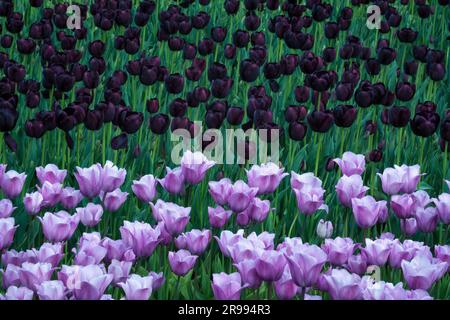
(137, 287)
(90, 180)
(270, 265)
(89, 252)
(70, 198)
(120, 270)
(228, 239)
(117, 250)
(6, 208)
(33, 202)
(141, 237)
(114, 200)
(173, 182)
(49, 253)
(305, 264)
(181, 262)
(309, 193)
(266, 177)
(338, 250)
(258, 210)
(51, 290)
(367, 211)
(50, 173)
(51, 193)
(400, 179)
(145, 188)
(12, 183)
(226, 286)
(403, 205)
(427, 219)
(442, 204)
(349, 187)
(220, 190)
(7, 231)
(443, 253)
(175, 217)
(247, 270)
(90, 282)
(324, 229)
(90, 215)
(112, 177)
(285, 287)
(351, 164)
(218, 216)
(33, 274)
(343, 285)
(194, 166)
(409, 226)
(59, 226)
(241, 195)
(17, 293)
(10, 276)
(195, 241)
(422, 272)
(357, 264)
(377, 251)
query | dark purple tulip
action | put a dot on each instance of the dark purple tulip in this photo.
(34, 128)
(201, 94)
(32, 99)
(217, 71)
(96, 48)
(344, 91)
(241, 38)
(230, 51)
(149, 75)
(329, 54)
(258, 55)
(64, 82)
(344, 115)
(10, 142)
(297, 131)
(407, 35)
(445, 128)
(436, 71)
(178, 107)
(218, 34)
(373, 67)
(258, 39)
(15, 72)
(252, 21)
(8, 119)
(301, 94)
(36, 3)
(235, 115)
(425, 124)
(130, 121)
(152, 105)
(320, 121)
(94, 120)
(91, 79)
(364, 95)
(220, 88)
(331, 30)
(26, 46)
(249, 71)
(410, 67)
(399, 116)
(206, 47)
(386, 55)
(231, 6)
(405, 91)
(189, 51)
(174, 83)
(288, 64)
(119, 142)
(424, 11)
(376, 155)
(271, 70)
(159, 123)
(14, 22)
(97, 64)
(176, 43)
(420, 53)
(6, 41)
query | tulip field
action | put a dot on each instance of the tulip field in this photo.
(94, 95)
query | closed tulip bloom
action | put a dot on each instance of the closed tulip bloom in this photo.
(226, 286)
(403, 205)
(51, 290)
(114, 200)
(141, 237)
(10, 276)
(59, 226)
(443, 253)
(285, 287)
(91, 215)
(339, 250)
(90, 282)
(422, 272)
(228, 239)
(194, 166)
(145, 188)
(50, 173)
(305, 264)
(196, 241)
(351, 163)
(305, 181)
(398, 253)
(112, 177)
(377, 251)
(173, 182)
(181, 262)
(343, 285)
(220, 190)
(409, 226)
(324, 229)
(241, 195)
(90, 180)
(49, 253)
(89, 252)
(169, 210)
(357, 264)
(7, 230)
(6, 208)
(427, 219)
(249, 276)
(367, 211)
(33, 274)
(70, 198)
(137, 287)
(309, 200)
(117, 250)
(442, 204)
(12, 183)
(266, 177)
(400, 179)
(218, 216)
(120, 270)
(50, 193)
(349, 187)
(17, 293)
(258, 210)
(270, 265)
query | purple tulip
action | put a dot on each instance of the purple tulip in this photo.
(194, 166)
(367, 211)
(349, 187)
(158, 279)
(59, 226)
(270, 265)
(422, 272)
(90, 215)
(264, 240)
(33, 274)
(137, 287)
(173, 182)
(339, 250)
(89, 252)
(398, 253)
(145, 188)
(51, 290)
(181, 262)
(112, 177)
(266, 177)
(443, 253)
(409, 226)
(357, 264)
(228, 239)
(351, 163)
(324, 229)
(49, 253)
(377, 251)
(381, 290)
(90, 282)
(6, 208)
(400, 179)
(427, 219)
(241, 195)
(220, 190)
(227, 286)
(10, 276)
(17, 293)
(90, 180)
(218, 216)
(7, 231)
(120, 270)
(141, 237)
(12, 183)
(343, 285)
(245, 249)
(175, 217)
(33, 202)
(442, 204)
(309, 192)
(70, 198)
(117, 250)
(50, 193)
(114, 200)
(258, 210)
(403, 205)
(50, 173)
(305, 264)
(249, 276)
(285, 287)
(196, 241)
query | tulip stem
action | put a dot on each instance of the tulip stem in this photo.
(319, 149)
(177, 286)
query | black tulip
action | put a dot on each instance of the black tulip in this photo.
(174, 83)
(231, 6)
(96, 48)
(34, 128)
(94, 120)
(130, 121)
(258, 39)
(301, 94)
(399, 116)
(410, 67)
(386, 55)
(241, 38)
(8, 119)
(376, 155)
(331, 30)
(344, 115)
(206, 47)
(218, 34)
(178, 107)
(6, 41)
(320, 121)
(297, 131)
(230, 51)
(248, 71)
(159, 123)
(425, 124)
(235, 115)
(407, 35)
(91, 79)
(405, 91)
(220, 88)
(119, 142)
(152, 105)
(201, 94)
(436, 71)
(10, 142)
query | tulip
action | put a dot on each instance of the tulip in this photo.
(120, 270)
(181, 262)
(145, 188)
(247, 271)
(349, 187)
(7, 230)
(443, 253)
(51, 290)
(270, 265)
(70, 198)
(285, 288)
(228, 239)
(351, 163)
(90, 180)
(117, 250)
(367, 211)
(310, 199)
(443, 207)
(50, 173)
(49, 253)
(114, 200)
(59, 226)
(12, 183)
(427, 219)
(257, 210)
(377, 251)
(357, 264)
(403, 205)
(141, 237)
(6, 208)
(343, 285)
(50, 193)
(324, 229)
(226, 286)
(173, 182)
(220, 190)
(218, 216)
(33, 274)
(196, 241)
(400, 179)
(89, 252)
(338, 250)
(90, 282)
(240, 196)
(91, 215)
(409, 226)
(421, 272)
(137, 287)
(266, 177)
(112, 177)
(17, 293)
(194, 166)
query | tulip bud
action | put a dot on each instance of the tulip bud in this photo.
(324, 229)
